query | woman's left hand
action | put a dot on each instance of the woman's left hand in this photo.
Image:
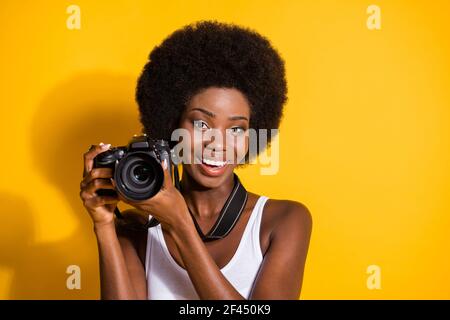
(167, 206)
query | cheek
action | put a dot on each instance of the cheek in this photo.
(192, 145)
(240, 146)
(196, 145)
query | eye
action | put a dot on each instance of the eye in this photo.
(237, 130)
(200, 124)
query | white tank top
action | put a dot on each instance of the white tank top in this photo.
(166, 280)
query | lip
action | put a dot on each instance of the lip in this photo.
(212, 171)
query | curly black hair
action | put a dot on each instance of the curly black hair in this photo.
(211, 54)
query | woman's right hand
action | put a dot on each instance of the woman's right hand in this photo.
(100, 208)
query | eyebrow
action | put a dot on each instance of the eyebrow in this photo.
(213, 115)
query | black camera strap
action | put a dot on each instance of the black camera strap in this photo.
(229, 215)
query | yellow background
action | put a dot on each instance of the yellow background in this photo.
(365, 140)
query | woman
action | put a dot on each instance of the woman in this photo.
(203, 76)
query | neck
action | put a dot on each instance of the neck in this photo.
(205, 203)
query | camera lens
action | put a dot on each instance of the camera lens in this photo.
(142, 173)
(139, 176)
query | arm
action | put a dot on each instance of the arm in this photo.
(122, 273)
(115, 279)
(208, 280)
(281, 273)
(121, 276)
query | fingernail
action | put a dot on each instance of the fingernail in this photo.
(165, 164)
(101, 144)
(106, 146)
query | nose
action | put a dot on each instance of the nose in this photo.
(215, 143)
(215, 146)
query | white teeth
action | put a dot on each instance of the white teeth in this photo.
(214, 163)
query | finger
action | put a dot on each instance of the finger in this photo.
(87, 194)
(96, 173)
(96, 184)
(167, 178)
(84, 195)
(91, 154)
(99, 201)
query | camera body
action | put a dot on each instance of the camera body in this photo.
(137, 170)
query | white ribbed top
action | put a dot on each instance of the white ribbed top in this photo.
(166, 280)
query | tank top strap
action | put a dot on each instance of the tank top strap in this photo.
(256, 228)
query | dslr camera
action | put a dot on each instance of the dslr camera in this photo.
(137, 170)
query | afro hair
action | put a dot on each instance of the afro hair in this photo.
(210, 54)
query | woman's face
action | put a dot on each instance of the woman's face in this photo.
(217, 120)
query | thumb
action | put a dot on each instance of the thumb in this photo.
(167, 178)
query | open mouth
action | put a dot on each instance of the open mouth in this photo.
(214, 163)
(213, 168)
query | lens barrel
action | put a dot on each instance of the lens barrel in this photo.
(138, 176)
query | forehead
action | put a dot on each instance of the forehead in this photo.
(221, 101)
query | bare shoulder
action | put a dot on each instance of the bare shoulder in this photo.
(296, 212)
(288, 218)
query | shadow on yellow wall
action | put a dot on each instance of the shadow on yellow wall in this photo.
(86, 109)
